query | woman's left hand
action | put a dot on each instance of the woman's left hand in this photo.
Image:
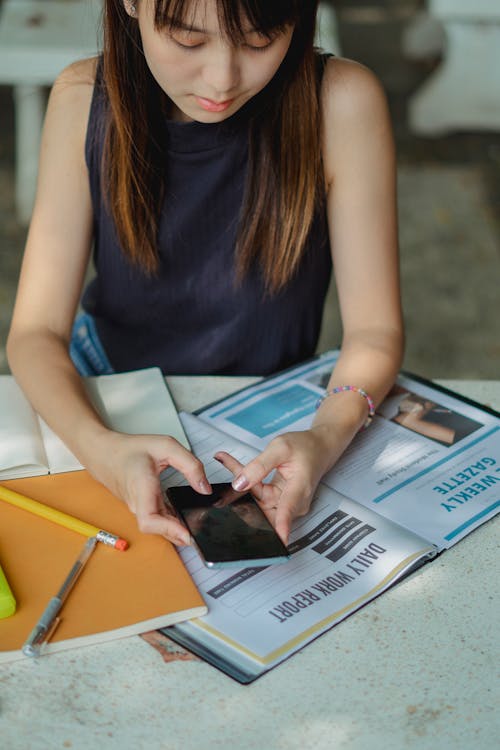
(299, 460)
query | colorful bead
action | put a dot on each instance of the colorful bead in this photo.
(361, 391)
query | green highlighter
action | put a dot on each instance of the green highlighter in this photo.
(7, 601)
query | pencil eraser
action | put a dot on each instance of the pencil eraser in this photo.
(121, 544)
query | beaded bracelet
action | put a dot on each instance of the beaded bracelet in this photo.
(361, 391)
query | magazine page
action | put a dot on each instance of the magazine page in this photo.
(429, 461)
(277, 404)
(342, 556)
(22, 452)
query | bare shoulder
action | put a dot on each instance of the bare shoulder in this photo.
(62, 149)
(355, 118)
(72, 90)
(349, 90)
(67, 113)
(79, 73)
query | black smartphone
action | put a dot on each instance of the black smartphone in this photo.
(229, 528)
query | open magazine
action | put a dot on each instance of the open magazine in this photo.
(425, 474)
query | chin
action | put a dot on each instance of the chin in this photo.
(212, 117)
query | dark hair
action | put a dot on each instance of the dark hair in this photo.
(284, 179)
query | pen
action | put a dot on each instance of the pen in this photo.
(49, 619)
(63, 519)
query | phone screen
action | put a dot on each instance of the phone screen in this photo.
(228, 527)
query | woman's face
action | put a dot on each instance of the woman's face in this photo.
(207, 78)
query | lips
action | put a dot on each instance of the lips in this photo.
(209, 105)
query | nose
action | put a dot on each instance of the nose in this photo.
(221, 72)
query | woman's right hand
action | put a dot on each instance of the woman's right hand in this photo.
(130, 465)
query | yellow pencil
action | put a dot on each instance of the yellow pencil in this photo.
(63, 519)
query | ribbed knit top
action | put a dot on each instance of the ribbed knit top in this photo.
(191, 318)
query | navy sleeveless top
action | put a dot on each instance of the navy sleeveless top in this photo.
(191, 317)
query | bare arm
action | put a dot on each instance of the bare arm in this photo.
(359, 163)
(55, 259)
(360, 174)
(56, 256)
(413, 420)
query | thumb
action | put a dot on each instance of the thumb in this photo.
(151, 514)
(294, 502)
(283, 519)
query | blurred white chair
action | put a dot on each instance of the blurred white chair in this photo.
(38, 38)
(327, 36)
(464, 91)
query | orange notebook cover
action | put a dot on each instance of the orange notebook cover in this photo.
(118, 593)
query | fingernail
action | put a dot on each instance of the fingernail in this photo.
(240, 483)
(205, 487)
(184, 540)
(218, 459)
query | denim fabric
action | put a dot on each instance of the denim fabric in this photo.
(86, 350)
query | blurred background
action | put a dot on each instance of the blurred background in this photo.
(438, 61)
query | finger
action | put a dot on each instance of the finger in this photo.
(170, 528)
(191, 467)
(295, 502)
(283, 523)
(276, 453)
(227, 497)
(151, 513)
(270, 495)
(235, 467)
(229, 462)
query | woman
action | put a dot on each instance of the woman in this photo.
(219, 165)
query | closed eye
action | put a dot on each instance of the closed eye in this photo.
(187, 38)
(257, 47)
(196, 45)
(257, 40)
(254, 42)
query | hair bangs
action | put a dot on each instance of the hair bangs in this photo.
(236, 17)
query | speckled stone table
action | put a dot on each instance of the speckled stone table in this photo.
(417, 668)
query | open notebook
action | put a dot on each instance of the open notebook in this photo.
(136, 402)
